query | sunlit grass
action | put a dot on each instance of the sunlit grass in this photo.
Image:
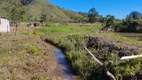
(72, 39)
(58, 29)
(118, 37)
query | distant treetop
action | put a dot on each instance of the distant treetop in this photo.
(26, 2)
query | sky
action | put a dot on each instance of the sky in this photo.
(117, 8)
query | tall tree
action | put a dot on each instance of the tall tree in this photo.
(102, 19)
(110, 20)
(92, 15)
(43, 17)
(14, 10)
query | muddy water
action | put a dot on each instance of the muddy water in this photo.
(137, 36)
(62, 69)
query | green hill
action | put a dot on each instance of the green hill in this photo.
(36, 7)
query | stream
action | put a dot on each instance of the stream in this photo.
(62, 69)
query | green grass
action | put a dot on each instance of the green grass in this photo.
(118, 37)
(72, 39)
(52, 11)
(67, 29)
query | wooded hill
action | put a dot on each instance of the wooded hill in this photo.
(37, 7)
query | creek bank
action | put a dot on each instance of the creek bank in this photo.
(55, 45)
(104, 47)
(62, 70)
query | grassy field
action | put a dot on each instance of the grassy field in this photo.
(118, 37)
(24, 57)
(27, 57)
(67, 29)
(73, 41)
(59, 31)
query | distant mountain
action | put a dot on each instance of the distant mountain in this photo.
(135, 14)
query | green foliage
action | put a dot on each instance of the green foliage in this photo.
(92, 16)
(33, 50)
(130, 69)
(81, 63)
(14, 10)
(78, 40)
(67, 29)
(129, 25)
(43, 17)
(73, 41)
(110, 20)
(102, 19)
(53, 12)
(35, 7)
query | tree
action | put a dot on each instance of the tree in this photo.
(14, 11)
(110, 20)
(29, 19)
(43, 17)
(128, 18)
(102, 20)
(92, 15)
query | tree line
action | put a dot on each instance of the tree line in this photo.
(132, 22)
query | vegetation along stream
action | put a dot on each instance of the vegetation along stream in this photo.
(109, 48)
